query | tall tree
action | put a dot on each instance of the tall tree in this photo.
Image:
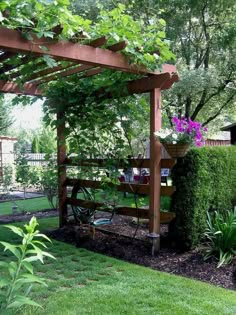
(203, 38)
(202, 35)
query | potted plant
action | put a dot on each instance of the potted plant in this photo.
(184, 134)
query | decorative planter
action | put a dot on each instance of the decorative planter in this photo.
(176, 150)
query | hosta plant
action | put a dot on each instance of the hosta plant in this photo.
(17, 276)
(221, 237)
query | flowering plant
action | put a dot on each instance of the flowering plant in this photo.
(185, 131)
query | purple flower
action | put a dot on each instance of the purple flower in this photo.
(192, 129)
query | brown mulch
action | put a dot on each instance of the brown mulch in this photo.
(121, 245)
(189, 264)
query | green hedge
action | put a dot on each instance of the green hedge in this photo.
(205, 179)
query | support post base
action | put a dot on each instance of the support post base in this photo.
(154, 239)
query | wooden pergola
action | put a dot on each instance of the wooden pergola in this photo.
(89, 60)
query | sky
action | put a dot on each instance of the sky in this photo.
(28, 117)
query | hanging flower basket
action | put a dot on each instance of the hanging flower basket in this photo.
(176, 150)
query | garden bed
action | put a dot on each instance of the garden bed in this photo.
(121, 245)
(190, 264)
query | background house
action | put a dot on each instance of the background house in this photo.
(232, 129)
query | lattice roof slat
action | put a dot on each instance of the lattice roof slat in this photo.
(66, 73)
(6, 55)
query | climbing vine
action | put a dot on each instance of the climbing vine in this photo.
(53, 19)
(98, 120)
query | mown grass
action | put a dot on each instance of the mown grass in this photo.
(27, 205)
(129, 200)
(82, 282)
(38, 204)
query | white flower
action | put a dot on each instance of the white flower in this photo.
(174, 142)
(72, 155)
(175, 136)
(162, 133)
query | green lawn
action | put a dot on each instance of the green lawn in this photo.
(129, 200)
(82, 282)
(28, 205)
(37, 204)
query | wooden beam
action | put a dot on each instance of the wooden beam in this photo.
(174, 78)
(8, 67)
(121, 163)
(133, 87)
(17, 73)
(6, 55)
(12, 87)
(12, 40)
(155, 166)
(98, 41)
(142, 213)
(62, 74)
(91, 72)
(118, 46)
(95, 43)
(124, 187)
(136, 163)
(61, 154)
(147, 84)
(47, 71)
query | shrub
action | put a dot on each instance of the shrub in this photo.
(221, 236)
(205, 180)
(48, 183)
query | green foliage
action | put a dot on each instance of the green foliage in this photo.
(48, 183)
(221, 236)
(43, 177)
(7, 178)
(5, 115)
(202, 35)
(47, 140)
(202, 38)
(205, 179)
(25, 175)
(42, 18)
(35, 145)
(19, 274)
(44, 141)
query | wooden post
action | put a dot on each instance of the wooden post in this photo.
(61, 155)
(155, 169)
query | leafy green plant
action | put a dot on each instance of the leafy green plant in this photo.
(17, 280)
(26, 175)
(221, 236)
(48, 182)
(7, 180)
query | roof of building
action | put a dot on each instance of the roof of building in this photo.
(227, 128)
(8, 138)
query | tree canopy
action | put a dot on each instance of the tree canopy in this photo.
(202, 35)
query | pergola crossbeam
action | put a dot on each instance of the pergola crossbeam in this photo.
(13, 87)
(138, 86)
(12, 40)
(6, 55)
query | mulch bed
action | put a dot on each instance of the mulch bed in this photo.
(189, 264)
(121, 245)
